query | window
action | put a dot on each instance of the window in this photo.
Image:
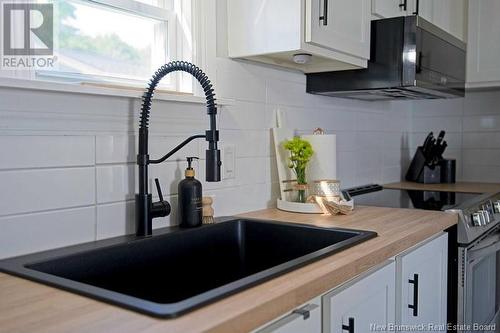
(119, 42)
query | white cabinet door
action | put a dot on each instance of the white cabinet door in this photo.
(339, 25)
(449, 15)
(424, 8)
(388, 8)
(306, 318)
(422, 284)
(368, 305)
(483, 47)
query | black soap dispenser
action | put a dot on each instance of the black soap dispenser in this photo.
(190, 193)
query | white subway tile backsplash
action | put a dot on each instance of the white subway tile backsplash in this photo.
(346, 168)
(369, 160)
(35, 151)
(483, 157)
(248, 143)
(123, 148)
(436, 124)
(480, 173)
(115, 219)
(392, 174)
(346, 140)
(241, 83)
(115, 182)
(236, 200)
(478, 140)
(115, 149)
(481, 102)
(288, 93)
(369, 140)
(119, 182)
(44, 189)
(476, 145)
(246, 115)
(169, 174)
(439, 108)
(482, 123)
(399, 140)
(27, 233)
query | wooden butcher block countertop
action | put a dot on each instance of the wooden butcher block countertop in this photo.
(468, 187)
(27, 306)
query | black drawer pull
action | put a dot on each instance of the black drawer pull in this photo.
(349, 328)
(414, 306)
(303, 312)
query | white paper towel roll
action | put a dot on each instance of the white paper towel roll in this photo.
(323, 164)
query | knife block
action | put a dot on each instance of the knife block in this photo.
(419, 171)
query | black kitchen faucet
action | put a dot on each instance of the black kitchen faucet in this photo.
(145, 209)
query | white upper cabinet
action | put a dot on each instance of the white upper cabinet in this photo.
(341, 25)
(422, 280)
(388, 8)
(336, 33)
(483, 46)
(449, 15)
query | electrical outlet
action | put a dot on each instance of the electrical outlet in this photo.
(228, 161)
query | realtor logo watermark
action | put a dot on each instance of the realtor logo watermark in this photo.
(27, 35)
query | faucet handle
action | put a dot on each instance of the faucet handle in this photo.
(162, 207)
(158, 189)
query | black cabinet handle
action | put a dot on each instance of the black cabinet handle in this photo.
(418, 67)
(324, 18)
(349, 328)
(417, 5)
(404, 4)
(414, 306)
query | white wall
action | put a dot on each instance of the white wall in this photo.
(67, 169)
(473, 132)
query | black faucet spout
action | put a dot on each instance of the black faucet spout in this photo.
(145, 209)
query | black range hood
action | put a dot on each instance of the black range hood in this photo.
(410, 58)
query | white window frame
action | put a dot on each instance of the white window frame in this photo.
(203, 14)
(175, 15)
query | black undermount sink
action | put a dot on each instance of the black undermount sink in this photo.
(178, 270)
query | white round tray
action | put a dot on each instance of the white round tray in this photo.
(298, 207)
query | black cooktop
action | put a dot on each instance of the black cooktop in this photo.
(375, 195)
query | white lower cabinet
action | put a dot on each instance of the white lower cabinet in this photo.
(365, 305)
(405, 294)
(422, 285)
(304, 319)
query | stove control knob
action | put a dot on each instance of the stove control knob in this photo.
(476, 219)
(496, 206)
(487, 207)
(487, 218)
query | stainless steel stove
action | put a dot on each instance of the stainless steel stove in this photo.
(474, 249)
